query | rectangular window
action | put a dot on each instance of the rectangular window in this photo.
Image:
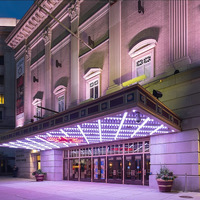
(1, 60)
(94, 89)
(1, 79)
(1, 115)
(1, 99)
(143, 66)
(61, 104)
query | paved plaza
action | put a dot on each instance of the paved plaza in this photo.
(29, 189)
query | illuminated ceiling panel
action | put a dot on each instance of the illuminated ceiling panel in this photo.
(117, 126)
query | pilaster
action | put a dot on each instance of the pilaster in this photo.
(74, 11)
(48, 71)
(114, 47)
(179, 32)
(27, 86)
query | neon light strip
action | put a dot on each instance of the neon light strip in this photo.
(47, 142)
(120, 126)
(65, 144)
(30, 145)
(49, 134)
(99, 123)
(156, 130)
(38, 143)
(83, 133)
(20, 145)
(64, 133)
(9, 146)
(145, 121)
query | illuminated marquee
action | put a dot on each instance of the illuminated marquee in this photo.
(65, 140)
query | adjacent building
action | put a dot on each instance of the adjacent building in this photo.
(108, 91)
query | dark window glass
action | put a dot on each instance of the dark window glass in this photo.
(1, 60)
(1, 79)
(1, 115)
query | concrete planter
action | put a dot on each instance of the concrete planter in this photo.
(165, 185)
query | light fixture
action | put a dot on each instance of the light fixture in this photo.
(157, 94)
(137, 117)
(140, 7)
(58, 64)
(35, 79)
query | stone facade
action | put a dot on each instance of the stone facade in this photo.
(103, 36)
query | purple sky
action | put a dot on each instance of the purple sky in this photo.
(14, 8)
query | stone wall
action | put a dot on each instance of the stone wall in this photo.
(180, 153)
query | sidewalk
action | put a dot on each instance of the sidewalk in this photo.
(29, 189)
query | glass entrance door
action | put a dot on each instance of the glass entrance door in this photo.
(115, 169)
(99, 169)
(85, 169)
(146, 168)
(74, 169)
(133, 169)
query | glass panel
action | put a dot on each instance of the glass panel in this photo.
(108, 150)
(65, 153)
(131, 150)
(96, 168)
(120, 148)
(116, 149)
(89, 152)
(96, 92)
(140, 146)
(126, 148)
(91, 93)
(110, 167)
(74, 169)
(112, 149)
(104, 150)
(86, 152)
(146, 146)
(103, 167)
(135, 147)
(138, 164)
(119, 167)
(100, 150)
(85, 168)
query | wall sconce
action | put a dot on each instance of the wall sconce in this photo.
(90, 42)
(140, 7)
(58, 64)
(35, 79)
(157, 94)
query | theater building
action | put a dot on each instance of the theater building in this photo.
(108, 91)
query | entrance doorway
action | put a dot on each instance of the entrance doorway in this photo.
(115, 169)
(99, 166)
(133, 169)
(146, 168)
(85, 169)
(73, 169)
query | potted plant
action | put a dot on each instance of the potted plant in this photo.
(39, 175)
(165, 179)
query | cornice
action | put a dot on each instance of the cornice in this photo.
(31, 21)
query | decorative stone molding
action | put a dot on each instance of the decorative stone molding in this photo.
(47, 35)
(29, 25)
(74, 9)
(28, 52)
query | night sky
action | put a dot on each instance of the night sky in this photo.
(14, 8)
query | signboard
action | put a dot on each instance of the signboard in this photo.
(20, 88)
(65, 140)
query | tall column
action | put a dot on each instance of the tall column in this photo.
(74, 15)
(179, 32)
(48, 71)
(114, 47)
(27, 86)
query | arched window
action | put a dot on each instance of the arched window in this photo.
(59, 93)
(142, 55)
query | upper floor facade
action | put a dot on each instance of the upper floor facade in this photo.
(71, 52)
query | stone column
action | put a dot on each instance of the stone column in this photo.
(74, 15)
(179, 32)
(27, 86)
(114, 47)
(48, 71)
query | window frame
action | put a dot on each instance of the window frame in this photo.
(35, 103)
(60, 91)
(93, 75)
(139, 51)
